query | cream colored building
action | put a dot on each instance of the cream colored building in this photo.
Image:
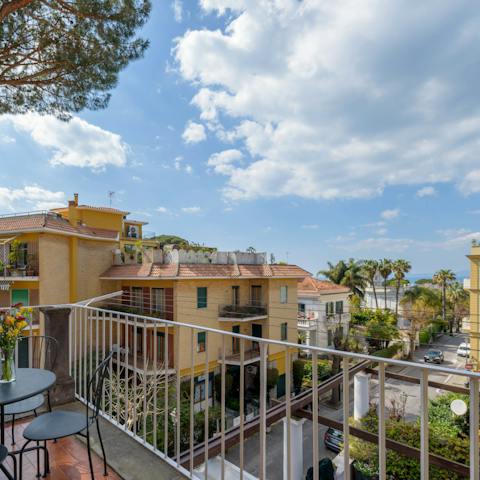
(474, 288)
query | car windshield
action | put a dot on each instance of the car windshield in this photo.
(433, 352)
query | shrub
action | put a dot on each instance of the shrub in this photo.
(424, 336)
(298, 368)
(324, 371)
(388, 352)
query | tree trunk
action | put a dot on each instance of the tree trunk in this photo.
(412, 347)
(375, 294)
(335, 397)
(385, 292)
(397, 291)
(444, 302)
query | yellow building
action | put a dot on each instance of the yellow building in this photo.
(474, 327)
(81, 251)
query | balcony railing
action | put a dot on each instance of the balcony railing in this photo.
(242, 312)
(159, 410)
(164, 419)
(23, 263)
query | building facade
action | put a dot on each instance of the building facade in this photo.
(323, 307)
(474, 289)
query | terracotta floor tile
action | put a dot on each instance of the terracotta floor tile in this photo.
(68, 458)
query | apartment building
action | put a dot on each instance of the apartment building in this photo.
(323, 307)
(474, 289)
(231, 291)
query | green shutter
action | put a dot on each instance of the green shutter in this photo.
(202, 297)
(284, 331)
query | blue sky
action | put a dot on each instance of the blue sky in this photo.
(313, 130)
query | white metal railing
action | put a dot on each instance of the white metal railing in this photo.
(153, 399)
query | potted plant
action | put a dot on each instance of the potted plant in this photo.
(14, 258)
(12, 323)
(30, 268)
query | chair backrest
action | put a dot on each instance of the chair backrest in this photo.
(95, 385)
(42, 351)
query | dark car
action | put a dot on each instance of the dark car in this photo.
(433, 356)
(333, 440)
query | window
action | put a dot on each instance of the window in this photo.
(256, 295)
(199, 394)
(329, 308)
(301, 307)
(137, 297)
(235, 295)
(284, 331)
(330, 338)
(235, 340)
(158, 300)
(201, 341)
(283, 294)
(202, 297)
(339, 307)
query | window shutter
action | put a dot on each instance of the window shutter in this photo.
(169, 304)
(147, 306)
(126, 295)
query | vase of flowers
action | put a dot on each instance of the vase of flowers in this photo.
(13, 321)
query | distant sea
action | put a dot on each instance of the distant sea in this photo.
(413, 277)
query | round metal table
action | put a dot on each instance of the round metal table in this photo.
(29, 382)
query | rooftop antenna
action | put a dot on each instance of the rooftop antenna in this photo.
(287, 255)
(111, 193)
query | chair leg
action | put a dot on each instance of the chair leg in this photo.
(105, 473)
(13, 429)
(48, 401)
(38, 460)
(21, 458)
(46, 460)
(6, 473)
(14, 460)
(90, 456)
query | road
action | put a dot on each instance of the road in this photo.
(394, 390)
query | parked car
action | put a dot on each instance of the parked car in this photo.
(463, 350)
(333, 440)
(433, 356)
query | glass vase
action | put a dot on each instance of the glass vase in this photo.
(7, 367)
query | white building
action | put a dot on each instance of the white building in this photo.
(322, 307)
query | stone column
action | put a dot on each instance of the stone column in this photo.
(57, 325)
(296, 448)
(361, 395)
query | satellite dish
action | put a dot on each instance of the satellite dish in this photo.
(458, 407)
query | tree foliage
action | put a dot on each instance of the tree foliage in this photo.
(348, 274)
(62, 56)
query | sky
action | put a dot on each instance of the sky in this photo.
(309, 129)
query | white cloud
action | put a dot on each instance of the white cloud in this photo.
(163, 210)
(224, 162)
(76, 143)
(390, 214)
(191, 209)
(194, 133)
(426, 192)
(179, 165)
(30, 197)
(177, 7)
(6, 139)
(311, 227)
(136, 179)
(326, 101)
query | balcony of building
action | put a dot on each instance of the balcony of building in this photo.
(19, 260)
(242, 313)
(153, 430)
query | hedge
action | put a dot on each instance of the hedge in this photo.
(389, 352)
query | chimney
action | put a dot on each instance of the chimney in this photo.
(72, 211)
(75, 199)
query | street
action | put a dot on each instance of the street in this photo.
(394, 389)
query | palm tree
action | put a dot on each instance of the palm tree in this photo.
(335, 273)
(348, 274)
(421, 307)
(400, 267)
(443, 278)
(385, 270)
(458, 298)
(369, 270)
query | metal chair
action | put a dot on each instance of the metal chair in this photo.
(60, 423)
(3, 456)
(42, 350)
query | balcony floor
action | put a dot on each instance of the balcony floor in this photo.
(68, 458)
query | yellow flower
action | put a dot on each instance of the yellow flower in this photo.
(9, 320)
(1, 329)
(21, 325)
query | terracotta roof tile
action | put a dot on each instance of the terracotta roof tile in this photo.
(41, 221)
(103, 209)
(205, 271)
(310, 285)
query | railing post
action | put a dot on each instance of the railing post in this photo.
(57, 325)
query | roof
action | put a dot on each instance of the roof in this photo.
(135, 222)
(50, 222)
(186, 271)
(103, 209)
(313, 286)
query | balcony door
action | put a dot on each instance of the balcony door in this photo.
(256, 332)
(235, 296)
(235, 340)
(256, 295)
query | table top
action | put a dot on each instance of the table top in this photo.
(29, 382)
